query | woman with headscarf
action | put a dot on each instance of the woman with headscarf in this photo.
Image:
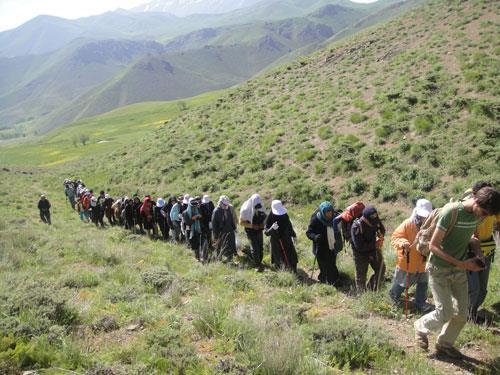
(207, 208)
(192, 218)
(252, 218)
(280, 230)
(160, 217)
(326, 243)
(224, 226)
(146, 212)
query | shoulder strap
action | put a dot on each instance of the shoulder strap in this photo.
(454, 216)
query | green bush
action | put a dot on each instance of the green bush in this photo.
(158, 278)
(82, 279)
(422, 125)
(356, 185)
(357, 118)
(325, 132)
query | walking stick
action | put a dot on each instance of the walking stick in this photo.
(407, 282)
(284, 253)
(314, 264)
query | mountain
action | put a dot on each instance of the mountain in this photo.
(183, 8)
(406, 109)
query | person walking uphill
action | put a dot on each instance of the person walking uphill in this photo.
(224, 227)
(280, 230)
(410, 267)
(44, 208)
(447, 268)
(325, 243)
(252, 218)
(192, 218)
(364, 234)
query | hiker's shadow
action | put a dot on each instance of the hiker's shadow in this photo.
(469, 364)
(344, 283)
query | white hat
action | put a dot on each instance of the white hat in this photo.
(160, 202)
(205, 199)
(106, 196)
(423, 208)
(277, 208)
(185, 200)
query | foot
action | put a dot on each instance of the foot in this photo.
(425, 308)
(421, 339)
(448, 351)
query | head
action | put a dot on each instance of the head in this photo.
(256, 201)
(371, 215)
(107, 196)
(423, 209)
(277, 208)
(326, 209)
(101, 193)
(205, 199)
(479, 185)
(224, 202)
(136, 199)
(486, 202)
(43, 197)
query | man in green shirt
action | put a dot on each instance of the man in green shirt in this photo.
(447, 268)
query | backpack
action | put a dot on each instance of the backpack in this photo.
(427, 229)
(351, 213)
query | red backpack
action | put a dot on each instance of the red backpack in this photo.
(351, 213)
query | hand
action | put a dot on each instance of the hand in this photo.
(470, 265)
(275, 226)
(406, 248)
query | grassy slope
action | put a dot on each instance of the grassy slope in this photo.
(117, 128)
(220, 319)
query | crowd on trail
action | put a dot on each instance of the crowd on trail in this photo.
(449, 249)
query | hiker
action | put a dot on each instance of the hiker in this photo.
(326, 244)
(175, 218)
(478, 281)
(447, 269)
(44, 208)
(160, 217)
(282, 236)
(224, 227)
(184, 206)
(137, 214)
(94, 210)
(166, 212)
(252, 218)
(85, 205)
(192, 219)
(69, 192)
(116, 211)
(146, 212)
(410, 264)
(207, 208)
(129, 214)
(365, 232)
(108, 210)
(100, 208)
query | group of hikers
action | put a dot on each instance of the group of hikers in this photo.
(459, 239)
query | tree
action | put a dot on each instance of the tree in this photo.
(84, 138)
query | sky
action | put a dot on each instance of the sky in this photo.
(13, 13)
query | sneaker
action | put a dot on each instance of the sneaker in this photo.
(421, 339)
(448, 351)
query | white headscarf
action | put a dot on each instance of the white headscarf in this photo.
(247, 211)
(223, 200)
(186, 198)
(205, 199)
(277, 208)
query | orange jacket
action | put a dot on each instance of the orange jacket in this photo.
(406, 233)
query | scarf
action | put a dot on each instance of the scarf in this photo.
(321, 214)
(194, 211)
(247, 211)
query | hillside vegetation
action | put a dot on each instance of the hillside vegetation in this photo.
(407, 108)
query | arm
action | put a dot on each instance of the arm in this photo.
(246, 224)
(359, 242)
(400, 238)
(435, 248)
(311, 232)
(336, 222)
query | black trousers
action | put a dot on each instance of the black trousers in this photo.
(45, 216)
(256, 238)
(327, 262)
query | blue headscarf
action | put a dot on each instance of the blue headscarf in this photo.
(323, 209)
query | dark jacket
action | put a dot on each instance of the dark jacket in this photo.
(222, 222)
(207, 210)
(364, 236)
(43, 204)
(282, 247)
(316, 232)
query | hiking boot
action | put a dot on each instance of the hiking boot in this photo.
(421, 339)
(448, 351)
(425, 308)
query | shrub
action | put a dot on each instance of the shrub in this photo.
(356, 185)
(82, 279)
(357, 118)
(422, 125)
(325, 132)
(158, 278)
(210, 317)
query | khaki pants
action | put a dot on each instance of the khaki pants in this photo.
(451, 297)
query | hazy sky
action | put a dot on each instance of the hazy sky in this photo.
(15, 12)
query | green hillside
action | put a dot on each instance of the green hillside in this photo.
(406, 109)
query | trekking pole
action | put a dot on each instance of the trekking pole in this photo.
(407, 282)
(284, 253)
(314, 264)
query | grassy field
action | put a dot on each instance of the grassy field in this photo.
(401, 111)
(105, 133)
(103, 301)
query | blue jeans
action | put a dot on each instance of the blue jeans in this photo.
(478, 286)
(421, 279)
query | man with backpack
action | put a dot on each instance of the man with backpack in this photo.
(410, 267)
(447, 266)
(44, 208)
(365, 233)
(484, 248)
